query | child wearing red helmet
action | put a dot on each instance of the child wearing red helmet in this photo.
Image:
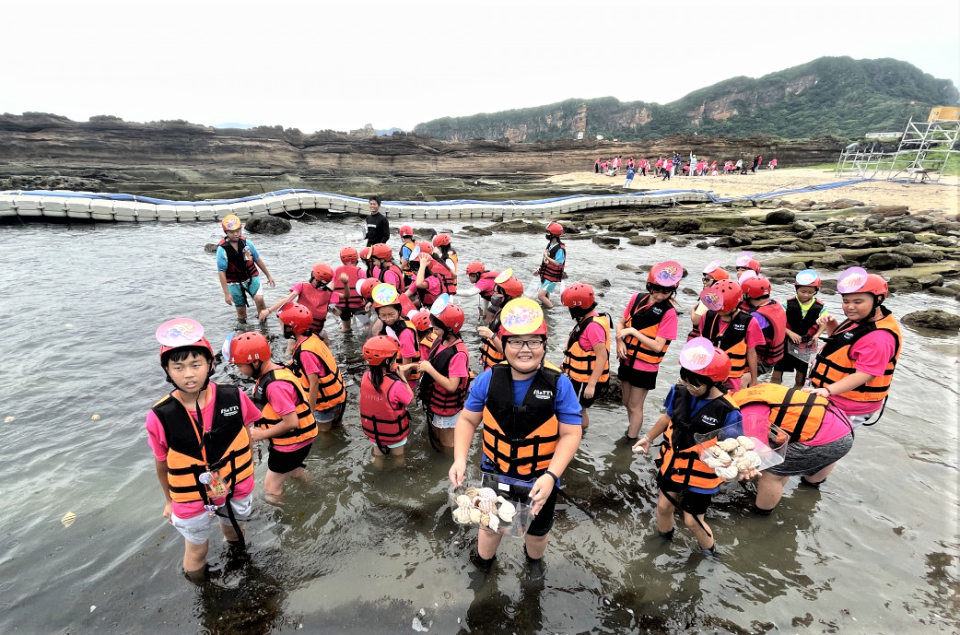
(287, 419)
(345, 277)
(697, 405)
(731, 329)
(313, 363)
(447, 256)
(586, 360)
(855, 367)
(644, 332)
(711, 273)
(428, 284)
(237, 262)
(315, 294)
(194, 432)
(803, 331)
(506, 287)
(425, 334)
(406, 237)
(445, 372)
(551, 268)
(388, 304)
(384, 396)
(483, 285)
(772, 320)
(385, 270)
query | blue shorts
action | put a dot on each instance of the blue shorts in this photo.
(328, 415)
(548, 286)
(236, 290)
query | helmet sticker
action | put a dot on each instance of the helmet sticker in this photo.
(415, 253)
(440, 304)
(504, 276)
(851, 280)
(522, 316)
(743, 260)
(713, 266)
(384, 294)
(747, 275)
(668, 274)
(179, 332)
(807, 277)
(696, 354)
(225, 349)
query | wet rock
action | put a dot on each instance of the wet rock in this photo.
(780, 217)
(828, 284)
(623, 226)
(210, 248)
(850, 230)
(625, 266)
(688, 291)
(679, 242)
(682, 225)
(809, 245)
(518, 226)
(873, 220)
(891, 210)
(944, 229)
(911, 224)
(798, 266)
(642, 241)
(607, 240)
(844, 203)
(724, 241)
(949, 292)
(517, 254)
(918, 253)
(933, 319)
(777, 274)
(831, 260)
(889, 241)
(907, 237)
(741, 238)
(860, 243)
(271, 225)
(803, 225)
(476, 231)
(931, 280)
(946, 241)
(806, 234)
(603, 283)
(904, 283)
(886, 261)
(703, 245)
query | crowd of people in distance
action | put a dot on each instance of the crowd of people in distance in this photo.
(666, 168)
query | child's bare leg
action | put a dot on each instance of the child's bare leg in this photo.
(776, 377)
(344, 325)
(770, 490)
(487, 543)
(536, 545)
(273, 486)
(821, 475)
(445, 436)
(230, 534)
(194, 557)
(241, 313)
(544, 299)
(665, 511)
(585, 419)
(800, 379)
(704, 534)
(634, 399)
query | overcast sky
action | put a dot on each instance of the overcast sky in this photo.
(343, 64)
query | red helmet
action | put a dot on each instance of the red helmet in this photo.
(296, 316)
(249, 347)
(441, 239)
(406, 230)
(201, 342)
(231, 223)
(511, 288)
(701, 357)
(379, 349)
(555, 229)
(450, 316)
(666, 274)
(421, 320)
(757, 288)
(322, 272)
(476, 268)
(426, 247)
(807, 278)
(715, 271)
(348, 256)
(522, 316)
(366, 287)
(381, 251)
(365, 253)
(579, 294)
(723, 296)
(857, 280)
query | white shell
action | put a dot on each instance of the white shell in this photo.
(462, 515)
(713, 462)
(736, 454)
(727, 473)
(488, 493)
(485, 519)
(746, 443)
(471, 492)
(494, 522)
(463, 501)
(728, 445)
(475, 515)
(486, 505)
(506, 516)
(506, 507)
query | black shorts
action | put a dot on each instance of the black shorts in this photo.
(543, 521)
(637, 378)
(693, 503)
(286, 462)
(346, 313)
(789, 363)
(599, 392)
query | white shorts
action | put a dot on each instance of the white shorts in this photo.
(442, 422)
(197, 529)
(858, 420)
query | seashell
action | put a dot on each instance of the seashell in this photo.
(462, 515)
(494, 522)
(475, 515)
(728, 445)
(746, 443)
(471, 492)
(9, 419)
(506, 507)
(737, 453)
(507, 516)
(713, 462)
(484, 519)
(463, 501)
(488, 493)
(95, 417)
(486, 505)
(68, 519)
(753, 457)
(727, 473)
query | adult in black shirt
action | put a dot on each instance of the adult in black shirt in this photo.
(378, 227)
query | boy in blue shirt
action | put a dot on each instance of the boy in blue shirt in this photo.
(237, 262)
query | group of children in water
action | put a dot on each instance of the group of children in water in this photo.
(532, 412)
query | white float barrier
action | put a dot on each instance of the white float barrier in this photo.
(88, 206)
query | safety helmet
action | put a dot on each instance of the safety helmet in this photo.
(441, 239)
(379, 349)
(578, 295)
(384, 294)
(715, 271)
(349, 256)
(476, 267)
(322, 272)
(181, 333)
(807, 278)
(231, 223)
(247, 348)
(365, 253)
(382, 251)
(511, 288)
(723, 296)
(701, 357)
(555, 229)
(522, 316)
(447, 314)
(421, 320)
(365, 287)
(406, 230)
(756, 288)
(426, 247)
(857, 280)
(665, 274)
(296, 316)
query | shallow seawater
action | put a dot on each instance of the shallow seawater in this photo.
(367, 550)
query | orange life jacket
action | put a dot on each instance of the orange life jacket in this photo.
(307, 428)
(833, 363)
(521, 439)
(356, 300)
(578, 363)
(489, 355)
(330, 387)
(679, 458)
(645, 318)
(798, 413)
(226, 446)
(318, 301)
(733, 341)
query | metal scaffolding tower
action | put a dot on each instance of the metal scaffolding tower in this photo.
(925, 148)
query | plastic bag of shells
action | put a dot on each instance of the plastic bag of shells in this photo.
(732, 454)
(496, 502)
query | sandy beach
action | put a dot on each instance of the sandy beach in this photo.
(942, 197)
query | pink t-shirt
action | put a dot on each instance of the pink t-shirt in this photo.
(157, 439)
(311, 363)
(399, 395)
(832, 428)
(591, 336)
(870, 354)
(667, 329)
(458, 364)
(283, 397)
(408, 343)
(485, 285)
(433, 285)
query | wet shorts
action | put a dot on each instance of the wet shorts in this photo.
(285, 462)
(600, 391)
(197, 529)
(346, 313)
(236, 289)
(328, 415)
(859, 420)
(807, 460)
(444, 422)
(763, 368)
(791, 363)
(543, 521)
(637, 378)
(693, 503)
(398, 444)
(548, 286)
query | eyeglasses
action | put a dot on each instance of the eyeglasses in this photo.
(533, 345)
(707, 278)
(656, 288)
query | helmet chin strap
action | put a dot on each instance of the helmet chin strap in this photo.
(257, 369)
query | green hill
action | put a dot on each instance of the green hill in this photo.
(837, 96)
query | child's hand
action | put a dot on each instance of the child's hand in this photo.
(168, 510)
(228, 298)
(270, 281)
(589, 391)
(264, 315)
(794, 337)
(425, 259)
(456, 473)
(484, 332)
(642, 446)
(424, 366)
